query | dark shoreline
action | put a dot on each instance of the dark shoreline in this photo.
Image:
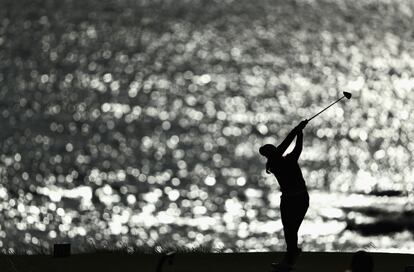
(183, 262)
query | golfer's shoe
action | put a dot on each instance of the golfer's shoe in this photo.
(281, 267)
(289, 259)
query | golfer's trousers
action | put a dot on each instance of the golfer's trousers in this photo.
(293, 209)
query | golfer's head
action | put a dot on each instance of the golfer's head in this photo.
(267, 150)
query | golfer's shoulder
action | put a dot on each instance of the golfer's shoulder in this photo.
(290, 157)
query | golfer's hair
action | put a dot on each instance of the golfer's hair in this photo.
(267, 150)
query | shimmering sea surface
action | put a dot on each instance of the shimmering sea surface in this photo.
(137, 123)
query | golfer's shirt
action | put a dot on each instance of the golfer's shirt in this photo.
(288, 174)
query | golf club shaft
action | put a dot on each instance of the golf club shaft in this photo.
(326, 108)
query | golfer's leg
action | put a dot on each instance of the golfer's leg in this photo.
(293, 233)
(288, 221)
(291, 237)
(284, 214)
(301, 212)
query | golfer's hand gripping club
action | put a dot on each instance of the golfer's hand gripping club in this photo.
(301, 125)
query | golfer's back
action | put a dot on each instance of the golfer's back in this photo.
(288, 174)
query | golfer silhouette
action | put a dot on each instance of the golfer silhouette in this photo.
(294, 201)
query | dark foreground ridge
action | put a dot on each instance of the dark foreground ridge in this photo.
(200, 262)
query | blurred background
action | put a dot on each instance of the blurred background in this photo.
(138, 123)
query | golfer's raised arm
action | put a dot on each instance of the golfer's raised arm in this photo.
(287, 141)
(295, 154)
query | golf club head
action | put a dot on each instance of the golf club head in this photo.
(347, 95)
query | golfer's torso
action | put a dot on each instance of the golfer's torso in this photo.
(288, 175)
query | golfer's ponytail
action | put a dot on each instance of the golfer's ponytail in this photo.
(268, 168)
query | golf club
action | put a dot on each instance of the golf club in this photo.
(346, 95)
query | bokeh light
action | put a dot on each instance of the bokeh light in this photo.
(139, 122)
